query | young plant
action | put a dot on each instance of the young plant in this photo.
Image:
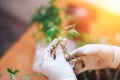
(49, 17)
(12, 73)
(68, 32)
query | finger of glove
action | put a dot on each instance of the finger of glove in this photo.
(59, 52)
(48, 55)
(39, 55)
(76, 53)
(85, 50)
(52, 45)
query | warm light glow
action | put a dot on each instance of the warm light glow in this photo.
(110, 5)
(114, 6)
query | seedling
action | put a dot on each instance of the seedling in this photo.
(12, 73)
(69, 32)
(49, 17)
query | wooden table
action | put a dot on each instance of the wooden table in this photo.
(20, 56)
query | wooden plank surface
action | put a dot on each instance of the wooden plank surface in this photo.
(20, 56)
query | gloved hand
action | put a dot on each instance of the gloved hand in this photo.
(96, 56)
(56, 68)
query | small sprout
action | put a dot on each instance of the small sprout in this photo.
(12, 73)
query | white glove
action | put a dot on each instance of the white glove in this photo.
(96, 56)
(40, 52)
(58, 68)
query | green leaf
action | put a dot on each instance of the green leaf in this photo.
(45, 26)
(51, 25)
(74, 32)
(16, 71)
(10, 71)
(49, 16)
(69, 35)
(50, 32)
(57, 21)
(49, 39)
(57, 31)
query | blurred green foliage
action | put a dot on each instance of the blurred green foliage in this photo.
(49, 16)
